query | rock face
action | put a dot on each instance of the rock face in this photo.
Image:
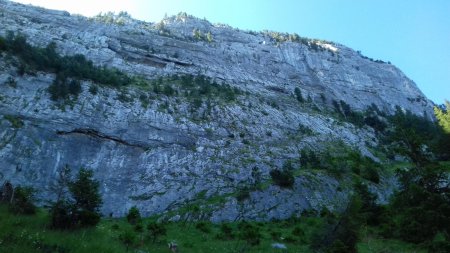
(164, 155)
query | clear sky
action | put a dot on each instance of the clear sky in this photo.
(412, 34)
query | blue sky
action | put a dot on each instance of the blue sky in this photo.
(412, 34)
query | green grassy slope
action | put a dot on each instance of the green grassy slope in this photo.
(30, 234)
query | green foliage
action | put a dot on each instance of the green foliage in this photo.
(203, 227)
(85, 191)
(111, 18)
(156, 230)
(22, 202)
(30, 234)
(410, 135)
(312, 44)
(61, 214)
(15, 121)
(127, 237)
(374, 118)
(370, 211)
(83, 210)
(68, 69)
(162, 29)
(420, 210)
(283, 178)
(371, 59)
(309, 159)
(439, 244)
(226, 232)
(298, 231)
(93, 89)
(298, 95)
(197, 89)
(87, 218)
(339, 159)
(62, 88)
(198, 35)
(345, 111)
(371, 117)
(339, 247)
(134, 216)
(443, 143)
(370, 171)
(168, 90)
(340, 235)
(209, 37)
(443, 117)
(138, 228)
(250, 234)
(243, 194)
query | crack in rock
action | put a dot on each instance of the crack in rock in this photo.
(98, 135)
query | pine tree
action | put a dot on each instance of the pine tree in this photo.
(443, 117)
(82, 209)
(133, 216)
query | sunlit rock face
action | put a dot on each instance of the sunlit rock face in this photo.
(165, 154)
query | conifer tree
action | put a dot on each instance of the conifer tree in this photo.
(443, 117)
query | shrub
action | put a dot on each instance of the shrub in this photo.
(128, 238)
(298, 231)
(420, 209)
(298, 95)
(61, 215)
(370, 210)
(22, 203)
(276, 235)
(133, 216)
(83, 210)
(439, 244)
(85, 191)
(338, 247)
(138, 228)
(203, 226)
(93, 89)
(408, 135)
(250, 234)
(209, 37)
(61, 88)
(282, 178)
(73, 67)
(340, 235)
(371, 173)
(15, 121)
(309, 159)
(226, 232)
(243, 194)
(87, 218)
(168, 90)
(156, 230)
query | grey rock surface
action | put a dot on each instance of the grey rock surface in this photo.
(163, 159)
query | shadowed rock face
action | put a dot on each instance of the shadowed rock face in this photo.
(165, 155)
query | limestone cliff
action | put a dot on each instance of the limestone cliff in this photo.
(162, 154)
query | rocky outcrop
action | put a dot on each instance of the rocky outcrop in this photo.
(166, 155)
